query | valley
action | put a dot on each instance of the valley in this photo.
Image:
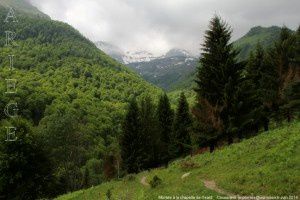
(95, 121)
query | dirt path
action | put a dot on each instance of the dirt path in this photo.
(213, 186)
(144, 181)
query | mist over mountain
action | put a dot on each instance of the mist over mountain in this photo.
(164, 71)
(176, 68)
(23, 7)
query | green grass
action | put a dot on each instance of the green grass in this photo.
(268, 164)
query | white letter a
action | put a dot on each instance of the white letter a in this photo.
(11, 15)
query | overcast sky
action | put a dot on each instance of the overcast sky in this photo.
(158, 25)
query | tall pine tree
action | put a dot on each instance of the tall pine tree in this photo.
(165, 117)
(181, 128)
(218, 79)
(291, 105)
(262, 77)
(282, 58)
(131, 141)
(149, 134)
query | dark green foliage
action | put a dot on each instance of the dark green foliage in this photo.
(283, 57)
(218, 80)
(131, 141)
(109, 194)
(149, 133)
(266, 36)
(26, 171)
(262, 79)
(155, 182)
(181, 141)
(71, 92)
(140, 143)
(86, 178)
(66, 144)
(93, 173)
(165, 119)
(291, 107)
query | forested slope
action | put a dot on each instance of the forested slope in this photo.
(70, 97)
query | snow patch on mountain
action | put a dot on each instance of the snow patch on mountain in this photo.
(138, 56)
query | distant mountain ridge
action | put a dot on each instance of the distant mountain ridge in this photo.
(176, 69)
(124, 57)
(164, 71)
(264, 35)
(168, 70)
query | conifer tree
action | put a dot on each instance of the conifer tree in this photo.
(263, 80)
(149, 134)
(26, 171)
(291, 105)
(165, 117)
(283, 57)
(181, 141)
(218, 80)
(131, 141)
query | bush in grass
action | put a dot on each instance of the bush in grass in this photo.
(156, 181)
(109, 194)
(130, 177)
(188, 165)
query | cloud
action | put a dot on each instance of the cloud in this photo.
(158, 25)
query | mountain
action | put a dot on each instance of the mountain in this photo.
(264, 35)
(71, 99)
(267, 166)
(22, 7)
(165, 71)
(176, 69)
(138, 56)
(124, 57)
(177, 53)
(168, 70)
(111, 50)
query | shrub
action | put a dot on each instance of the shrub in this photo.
(188, 165)
(109, 194)
(130, 177)
(156, 181)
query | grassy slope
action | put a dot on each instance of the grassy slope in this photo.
(266, 36)
(267, 164)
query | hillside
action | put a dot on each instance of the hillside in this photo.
(167, 71)
(266, 165)
(264, 35)
(176, 70)
(22, 7)
(70, 95)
